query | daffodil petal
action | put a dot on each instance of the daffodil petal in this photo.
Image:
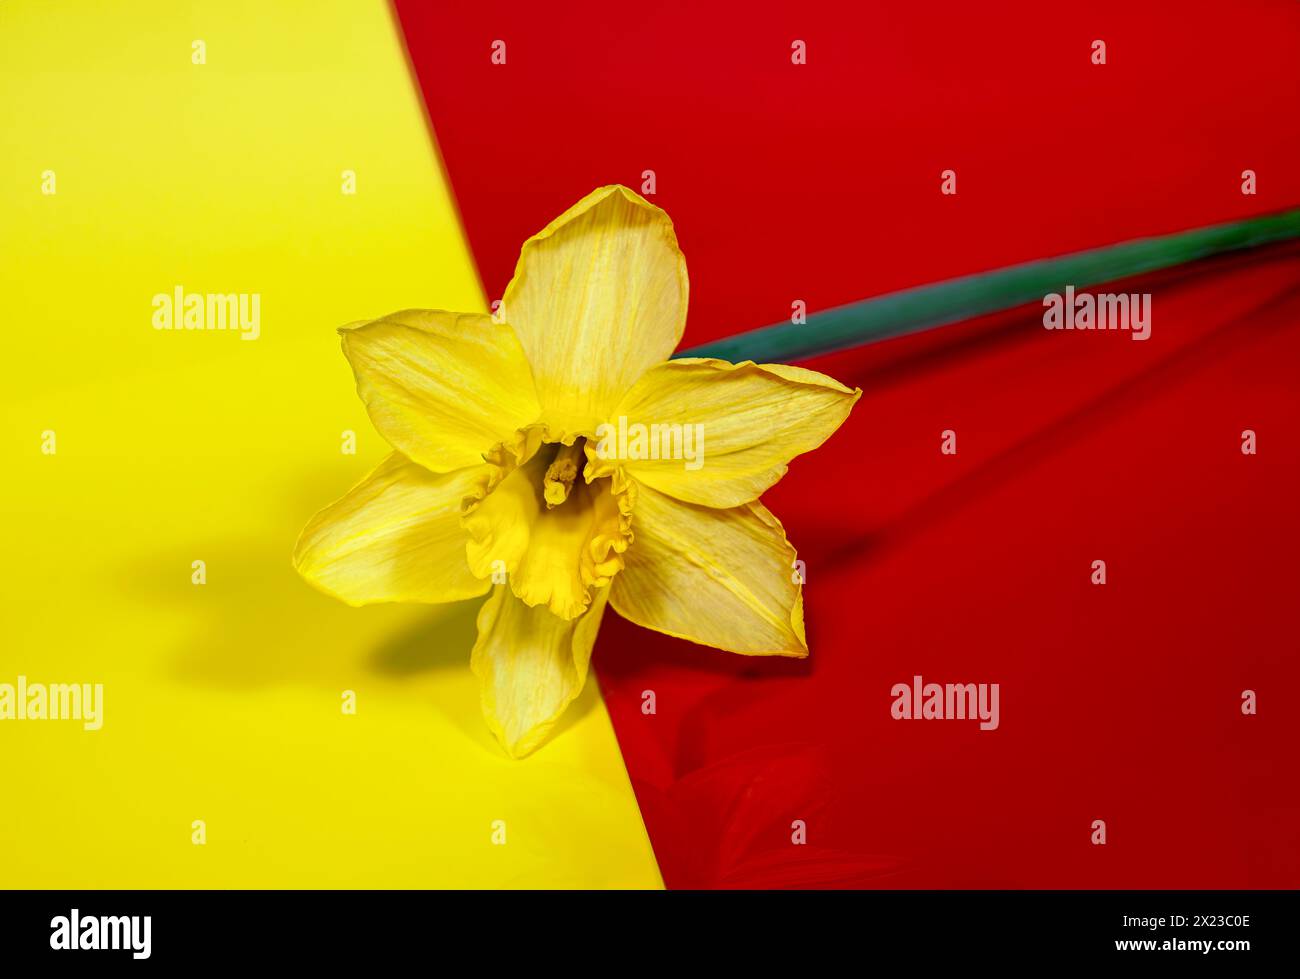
(724, 578)
(441, 388)
(395, 537)
(741, 423)
(531, 665)
(599, 295)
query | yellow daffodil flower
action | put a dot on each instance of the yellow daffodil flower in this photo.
(514, 473)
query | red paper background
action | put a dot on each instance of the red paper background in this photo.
(821, 182)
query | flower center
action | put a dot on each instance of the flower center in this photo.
(534, 518)
(557, 484)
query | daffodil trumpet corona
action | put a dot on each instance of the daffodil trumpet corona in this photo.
(553, 458)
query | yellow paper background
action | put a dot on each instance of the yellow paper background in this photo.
(222, 702)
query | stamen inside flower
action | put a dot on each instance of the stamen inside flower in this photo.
(560, 474)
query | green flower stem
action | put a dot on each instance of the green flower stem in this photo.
(938, 304)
